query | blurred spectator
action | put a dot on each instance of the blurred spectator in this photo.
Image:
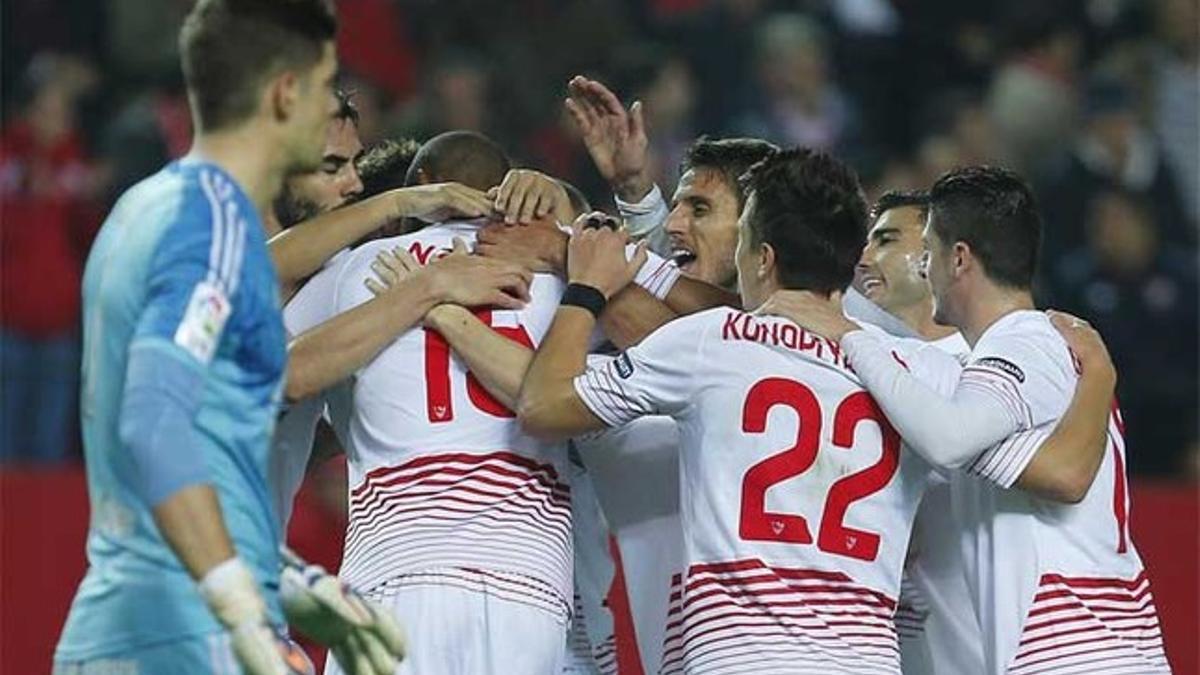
(664, 83)
(1177, 78)
(152, 129)
(139, 49)
(1113, 150)
(1032, 97)
(456, 98)
(1142, 297)
(797, 102)
(47, 220)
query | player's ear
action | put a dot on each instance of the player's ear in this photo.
(283, 95)
(961, 258)
(766, 261)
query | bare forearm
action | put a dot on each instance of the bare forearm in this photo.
(548, 404)
(689, 296)
(337, 348)
(191, 523)
(500, 364)
(301, 250)
(633, 314)
(1065, 465)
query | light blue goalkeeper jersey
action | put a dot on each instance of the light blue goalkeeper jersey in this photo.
(180, 266)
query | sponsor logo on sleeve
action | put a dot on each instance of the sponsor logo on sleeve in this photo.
(200, 330)
(1003, 365)
(624, 366)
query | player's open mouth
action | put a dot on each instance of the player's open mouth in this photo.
(683, 257)
(871, 284)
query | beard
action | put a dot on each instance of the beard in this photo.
(291, 209)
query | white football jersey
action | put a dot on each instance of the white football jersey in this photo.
(939, 634)
(796, 500)
(292, 441)
(444, 486)
(1057, 587)
(633, 470)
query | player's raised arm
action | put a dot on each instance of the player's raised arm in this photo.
(549, 405)
(300, 251)
(333, 350)
(986, 427)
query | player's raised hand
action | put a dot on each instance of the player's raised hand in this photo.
(363, 639)
(472, 281)
(526, 195)
(813, 312)
(596, 254)
(1085, 344)
(389, 268)
(538, 247)
(615, 137)
(437, 202)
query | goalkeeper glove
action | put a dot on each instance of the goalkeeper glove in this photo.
(232, 595)
(363, 639)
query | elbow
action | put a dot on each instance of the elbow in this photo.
(535, 419)
(297, 387)
(1069, 488)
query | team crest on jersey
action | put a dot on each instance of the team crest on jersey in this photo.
(1003, 365)
(624, 366)
(200, 330)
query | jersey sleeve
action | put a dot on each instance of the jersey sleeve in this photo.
(1004, 462)
(657, 275)
(645, 219)
(1007, 371)
(655, 377)
(949, 431)
(193, 281)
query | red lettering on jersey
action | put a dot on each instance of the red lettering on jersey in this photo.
(421, 253)
(480, 397)
(790, 335)
(807, 341)
(729, 330)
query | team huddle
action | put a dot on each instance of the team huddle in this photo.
(758, 427)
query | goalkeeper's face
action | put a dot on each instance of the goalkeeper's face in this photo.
(311, 113)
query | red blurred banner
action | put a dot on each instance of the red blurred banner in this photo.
(43, 522)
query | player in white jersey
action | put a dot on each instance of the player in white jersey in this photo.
(796, 499)
(939, 634)
(1056, 588)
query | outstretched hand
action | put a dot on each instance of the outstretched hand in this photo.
(615, 137)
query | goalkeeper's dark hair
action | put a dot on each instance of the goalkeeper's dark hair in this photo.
(230, 48)
(898, 199)
(809, 207)
(730, 157)
(993, 211)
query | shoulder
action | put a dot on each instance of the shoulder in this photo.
(1023, 346)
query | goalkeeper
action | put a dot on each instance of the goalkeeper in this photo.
(183, 358)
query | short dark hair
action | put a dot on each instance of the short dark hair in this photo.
(810, 208)
(730, 157)
(993, 211)
(346, 110)
(384, 165)
(898, 199)
(466, 157)
(229, 48)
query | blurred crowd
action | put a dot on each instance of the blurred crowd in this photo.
(1095, 101)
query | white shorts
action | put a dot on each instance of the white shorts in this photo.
(455, 631)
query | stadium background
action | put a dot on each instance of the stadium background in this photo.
(1094, 100)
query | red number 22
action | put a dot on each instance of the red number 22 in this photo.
(834, 536)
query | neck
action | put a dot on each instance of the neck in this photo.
(242, 153)
(990, 305)
(919, 317)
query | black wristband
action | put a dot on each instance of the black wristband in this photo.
(587, 297)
